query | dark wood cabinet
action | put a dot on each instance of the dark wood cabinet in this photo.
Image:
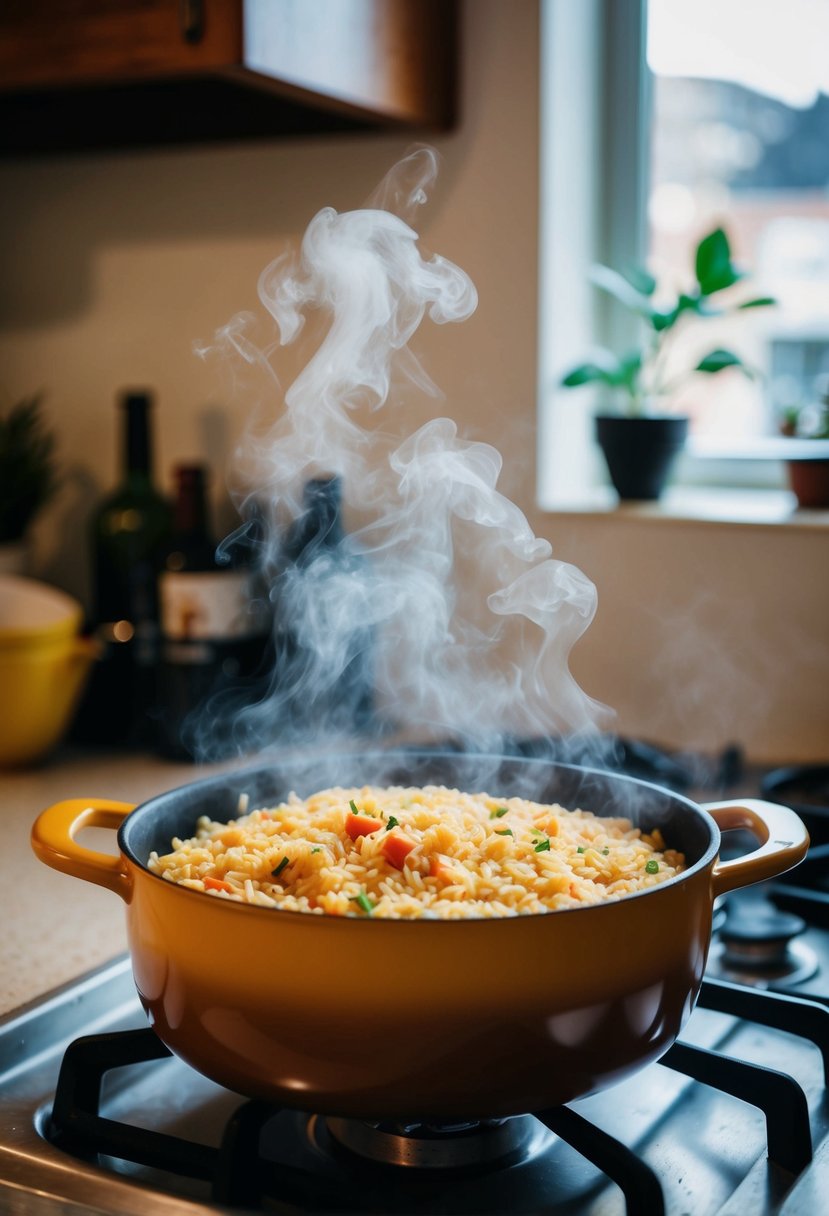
(80, 74)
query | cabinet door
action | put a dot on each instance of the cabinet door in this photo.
(56, 43)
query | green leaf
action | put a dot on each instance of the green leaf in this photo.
(640, 280)
(714, 268)
(759, 302)
(664, 320)
(687, 303)
(589, 373)
(621, 289)
(717, 361)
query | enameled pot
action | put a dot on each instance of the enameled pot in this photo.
(429, 1018)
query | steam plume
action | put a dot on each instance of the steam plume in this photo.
(466, 618)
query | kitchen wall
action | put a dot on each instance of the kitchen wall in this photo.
(112, 266)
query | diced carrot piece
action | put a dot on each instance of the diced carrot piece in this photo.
(396, 848)
(360, 825)
(437, 869)
(216, 884)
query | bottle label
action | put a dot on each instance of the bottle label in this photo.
(209, 605)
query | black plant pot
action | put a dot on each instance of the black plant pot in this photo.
(640, 452)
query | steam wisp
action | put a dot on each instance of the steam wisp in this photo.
(442, 592)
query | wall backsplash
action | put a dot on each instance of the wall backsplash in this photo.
(113, 266)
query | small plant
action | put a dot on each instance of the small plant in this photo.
(28, 470)
(809, 421)
(641, 375)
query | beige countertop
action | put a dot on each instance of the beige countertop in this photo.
(54, 927)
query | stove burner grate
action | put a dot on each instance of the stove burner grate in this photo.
(245, 1170)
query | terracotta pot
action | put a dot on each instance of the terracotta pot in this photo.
(640, 452)
(434, 1018)
(809, 480)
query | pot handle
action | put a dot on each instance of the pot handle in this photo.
(782, 835)
(53, 840)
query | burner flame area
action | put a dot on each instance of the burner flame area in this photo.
(424, 1145)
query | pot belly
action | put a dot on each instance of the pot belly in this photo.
(452, 1020)
(448, 1070)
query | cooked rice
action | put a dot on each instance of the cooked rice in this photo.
(472, 855)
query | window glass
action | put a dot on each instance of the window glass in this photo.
(740, 137)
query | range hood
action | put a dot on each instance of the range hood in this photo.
(80, 74)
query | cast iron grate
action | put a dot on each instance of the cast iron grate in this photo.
(240, 1174)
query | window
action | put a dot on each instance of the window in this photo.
(740, 134)
(685, 116)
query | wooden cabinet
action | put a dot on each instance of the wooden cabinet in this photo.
(121, 73)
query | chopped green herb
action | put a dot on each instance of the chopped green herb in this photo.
(283, 863)
(652, 866)
(498, 812)
(580, 849)
(544, 847)
(318, 849)
(392, 823)
(353, 806)
(605, 852)
(363, 901)
(503, 831)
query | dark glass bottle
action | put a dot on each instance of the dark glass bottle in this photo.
(212, 627)
(129, 530)
(324, 649)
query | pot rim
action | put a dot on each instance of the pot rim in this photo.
(706, 860)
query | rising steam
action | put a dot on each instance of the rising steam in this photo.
(443, 598)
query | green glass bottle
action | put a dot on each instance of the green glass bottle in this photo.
(130, 529)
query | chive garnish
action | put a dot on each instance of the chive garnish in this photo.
(498, 812)
(392, 823)
(580, 849)
(652, 866)
(283, 863)
(353, 806)
(318, 849)
(363, 901)
(605, 852)
(503, 831)
(544, 847)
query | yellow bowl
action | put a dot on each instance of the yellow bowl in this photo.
(43, 667)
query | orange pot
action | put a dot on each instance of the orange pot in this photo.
(430, 1018)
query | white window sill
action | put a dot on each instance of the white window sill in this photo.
(698, 504)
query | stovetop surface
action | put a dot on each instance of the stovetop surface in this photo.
(744, 1152)
(708, 1149)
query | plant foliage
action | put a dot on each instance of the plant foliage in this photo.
(640, 374)
(28, 469)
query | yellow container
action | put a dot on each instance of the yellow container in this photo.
(43, 667)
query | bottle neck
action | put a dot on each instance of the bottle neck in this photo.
(137, 452)
(190, 511)
(321, 522)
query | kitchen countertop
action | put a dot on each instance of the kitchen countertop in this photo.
(55, 927)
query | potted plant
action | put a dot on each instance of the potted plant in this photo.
(641, 440)
(808, 476)
(28, 477)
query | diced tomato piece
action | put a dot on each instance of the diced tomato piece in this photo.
(396, 848)
(360, 825)
(216, 884)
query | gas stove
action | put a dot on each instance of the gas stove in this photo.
(96, 1116)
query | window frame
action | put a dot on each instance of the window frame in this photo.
(596, 97)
